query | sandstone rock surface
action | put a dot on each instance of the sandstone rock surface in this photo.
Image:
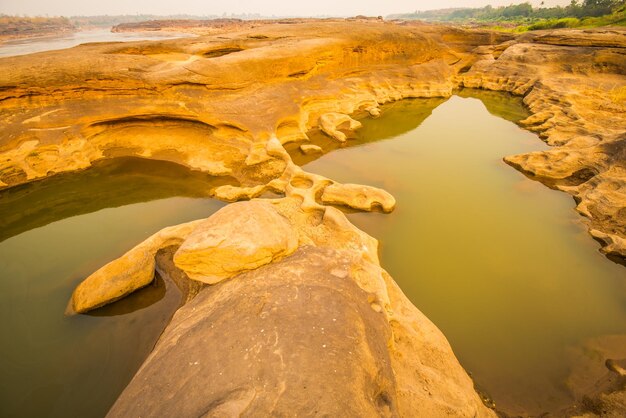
(181, 100)
(220, 247)
(330, 124)
(359, 197)
(310, 149)
(574, 84)
(122, 276)
(240, 237)
(285, 339)
(322, 331)
(226, 107)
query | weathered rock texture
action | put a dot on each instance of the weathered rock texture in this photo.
(319, 330)
(574, 83)
(220, 247)
(132, 271)
(218, 103)
(227, 105)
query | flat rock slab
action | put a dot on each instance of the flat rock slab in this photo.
(287, 339)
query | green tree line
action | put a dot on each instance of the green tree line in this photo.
(576, 9)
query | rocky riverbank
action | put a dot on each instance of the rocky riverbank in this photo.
(32, 27)
(205, 27)
(299, 318)
(295, 77)
(198, 27)
(226, 105)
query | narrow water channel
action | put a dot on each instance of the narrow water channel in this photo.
(54, 233)
(500, 263)
(47, 43)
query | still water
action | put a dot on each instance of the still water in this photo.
(53, 234)
(48, 43)
(500, 263)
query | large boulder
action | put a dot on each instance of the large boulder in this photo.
(288, 339)
(300, 337)
(239, 237)
(308, 323)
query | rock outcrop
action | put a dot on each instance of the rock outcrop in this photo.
(311, 149)
(226, 106)
(321, 329)
(131, 272)
(182, 100)
(331, 123)
(574, 83)
(358, 197)
(220, 247)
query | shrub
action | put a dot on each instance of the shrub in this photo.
(566, 22)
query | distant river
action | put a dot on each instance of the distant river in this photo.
(48, 43)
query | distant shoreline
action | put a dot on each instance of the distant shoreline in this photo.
(12, 27)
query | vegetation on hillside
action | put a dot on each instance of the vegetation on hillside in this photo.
(521, 17)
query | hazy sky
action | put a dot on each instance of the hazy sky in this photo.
(267, 7)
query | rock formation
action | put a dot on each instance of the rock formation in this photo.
(131, 272)
(180, 100)
(311, 149)
(574, 83)
(308, 322)
(226, 106)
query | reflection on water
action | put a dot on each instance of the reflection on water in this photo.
(115, 182)
(504, 106)
(59, 231)
(138, 300)
(48, 43)
(396, 123)
(501, 264)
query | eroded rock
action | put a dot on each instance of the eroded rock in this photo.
(330, 124)
(359, 197)
(290, 338)
(310, 149)
(572, 82)
(274, 337)
(237, 238)
(130, 272)
(324, 330)
(113, 281)
(181, 100)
